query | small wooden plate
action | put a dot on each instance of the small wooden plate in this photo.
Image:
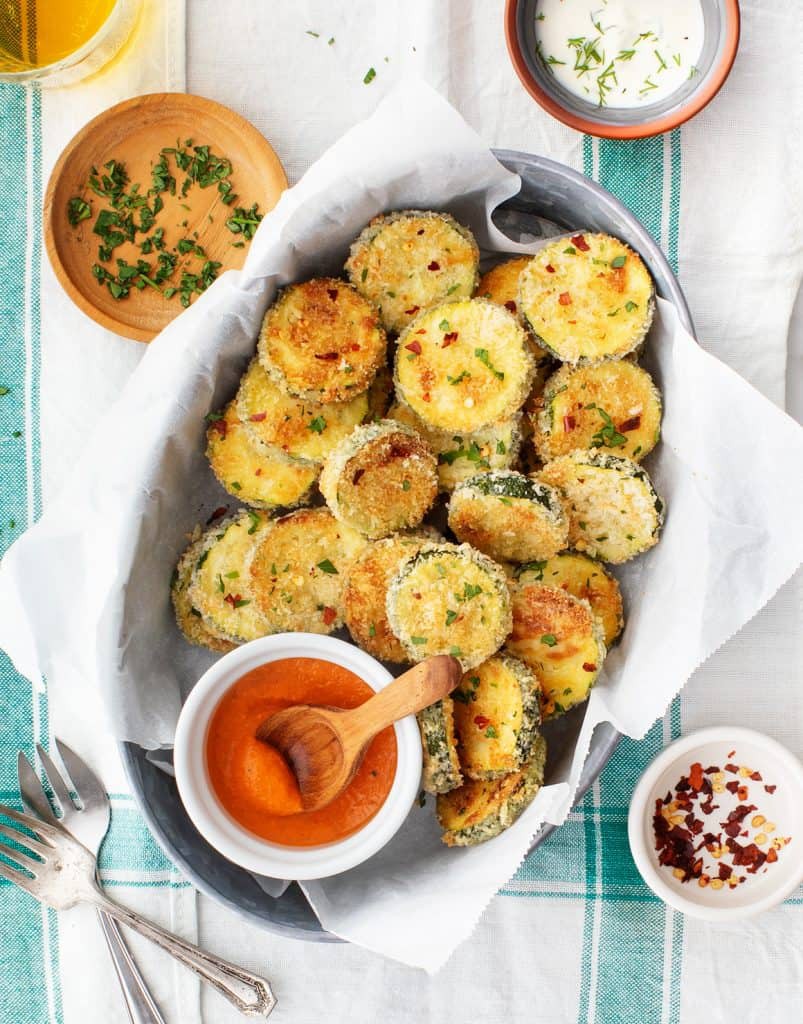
(133, 132)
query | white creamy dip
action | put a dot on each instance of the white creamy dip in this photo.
(620, 53)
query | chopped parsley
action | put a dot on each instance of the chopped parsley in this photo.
(418, 640)
(370, 75)
(485, 359)
(317, 425)
(607, 436)
(548, 639)
(327, 567)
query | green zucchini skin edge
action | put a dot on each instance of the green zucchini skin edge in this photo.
(511, 809)
(441, 766)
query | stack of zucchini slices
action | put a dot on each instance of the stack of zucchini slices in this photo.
(517, 397)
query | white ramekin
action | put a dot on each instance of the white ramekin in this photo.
(713, 746)
(218, 827)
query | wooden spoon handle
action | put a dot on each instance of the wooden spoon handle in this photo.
(413, 691)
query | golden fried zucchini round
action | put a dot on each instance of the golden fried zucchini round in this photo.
(220, 586)
(189, 619)
(508, 516)
(613, 509)
(449, 599)
(301, 430)
(501, 283)
(481, 809)
(441, 770)
(382, 478)
(464, 365)
(587, 298)
(321, 341)
(366, 587)
(560, 638)
(252, 473)
(408, 261)
(583, 577)
(612, 405)
(298, 568)
(461, 456)
(497, 710)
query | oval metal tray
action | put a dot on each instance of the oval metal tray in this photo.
(551, 194)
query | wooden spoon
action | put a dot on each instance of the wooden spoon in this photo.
(324, 746)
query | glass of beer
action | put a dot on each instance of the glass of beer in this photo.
(61, 41)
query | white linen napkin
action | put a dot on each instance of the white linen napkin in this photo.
(105, 548)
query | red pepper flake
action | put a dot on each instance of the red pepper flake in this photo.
(742, 792)
(565, 299)
(481, 721)
(332, 293)
(733, 768)
(221, 426)
(756, 777)
(449, 338)
(412, 310)
(732, 787)
(589, 666)
(581, 243)
(357, 474)
(414, 346)
(328, 615)
(511, 306)
(772, 855)
(731, 753)
(217, 514)
(258, 417)
(696, 776)
(632, 424)
(549, 268)
(569, 423)
(725, 871)
(770, 789)
(422, 331)
(427, 397)
(434, 265)
(354, 347)
(233, 599)
(328, 356)
(420, 231)
(257, 472)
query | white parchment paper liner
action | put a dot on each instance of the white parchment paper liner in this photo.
(85, 591)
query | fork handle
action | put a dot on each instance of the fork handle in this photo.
(251, 994)
(138, 1000)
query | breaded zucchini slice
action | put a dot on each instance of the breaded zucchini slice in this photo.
(509, 516)
(441, 765)
(501, 283)
(587, 298)
(497, 710)
(301, 430)
(481, 809)
(220, 587)
(366, 588)
(464, 365)
(583, 577)
(613, 405)
(322, 341)
(382, 478)
(449, 599)
(461, 456)
(560, 638)
(613, 509)
(298, 568)
(189, 619)
(252, 473)
(408, 261)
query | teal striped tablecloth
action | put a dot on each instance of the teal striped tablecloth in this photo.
(587, 859)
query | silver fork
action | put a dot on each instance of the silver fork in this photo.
(89, 824)
(58, 871)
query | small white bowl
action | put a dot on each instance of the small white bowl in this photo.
(218, 827)
(784, 807)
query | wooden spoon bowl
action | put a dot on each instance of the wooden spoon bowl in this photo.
(324, 746)
(134, 132)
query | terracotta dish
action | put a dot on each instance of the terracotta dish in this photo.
(719, 51)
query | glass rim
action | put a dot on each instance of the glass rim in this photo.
(72, 59)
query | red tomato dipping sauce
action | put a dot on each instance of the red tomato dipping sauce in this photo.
(253, 781)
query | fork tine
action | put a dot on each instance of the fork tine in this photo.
(18, 878)
(41, 828)
(85, 782)
(21, 857)
(34, 798)
(60, 791)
